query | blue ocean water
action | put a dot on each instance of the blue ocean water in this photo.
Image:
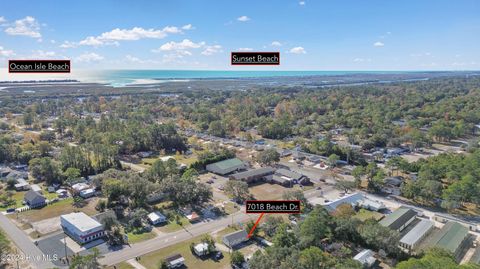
(127, 77)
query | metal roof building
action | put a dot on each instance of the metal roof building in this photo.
(366, 258)
(399, 219)
(81, 227)
(451, 237)
(253, 175)
(416, 235)
(226, 166)
(351, 199)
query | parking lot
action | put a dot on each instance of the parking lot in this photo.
(55, 245)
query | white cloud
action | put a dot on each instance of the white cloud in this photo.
(188, 27)
(209, 50)
(425, 54)
(68, 44)
(245, 49)
(184, 45)
(361, 60)
(276, 44)
(133, 59)
(5, 52)
(89, 57)
(378, 44)
(302, 3)
(243, 18)
(297, 50)
(27, 26)
(2, 19)
(116, 35)
(40, 54)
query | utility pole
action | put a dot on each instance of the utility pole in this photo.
(65, 244)
(16, 252)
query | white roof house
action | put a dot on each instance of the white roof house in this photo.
(80, 186)
(201, 249)
(156, 218)
(365, 257)
(21, 184)
(35, 187)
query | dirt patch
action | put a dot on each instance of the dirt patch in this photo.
(47, 225)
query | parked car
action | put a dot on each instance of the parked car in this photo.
(10, 210)
(218, 255)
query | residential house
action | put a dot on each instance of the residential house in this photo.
(35, 187)
(156, 218)
(33, 199)
(366, 258)
(233, 239)
(175, 261)
(201, 249)
(22, 185)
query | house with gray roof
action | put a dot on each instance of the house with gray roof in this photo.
(235, 238)
(33, 199)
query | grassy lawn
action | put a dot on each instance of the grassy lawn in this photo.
(364, 215)
(173, 226)
(18, 197)
(152, 260)
(122, 265)
(231, 208)
(187, 160)
(56, 209)
(50, 195)
(148, 161)
(218, 236)
(135, 238)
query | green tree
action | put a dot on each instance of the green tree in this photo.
(236, 258)
(45, 169)
(89, 261)
(333, 159)
(237, 189)
(72, 174)
(315, 228)
(268, 156)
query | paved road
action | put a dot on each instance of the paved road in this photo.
(166, 240)
(24, 243)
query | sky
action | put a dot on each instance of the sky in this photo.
(180, 34)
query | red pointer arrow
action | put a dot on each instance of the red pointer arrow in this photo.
(255, 226)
